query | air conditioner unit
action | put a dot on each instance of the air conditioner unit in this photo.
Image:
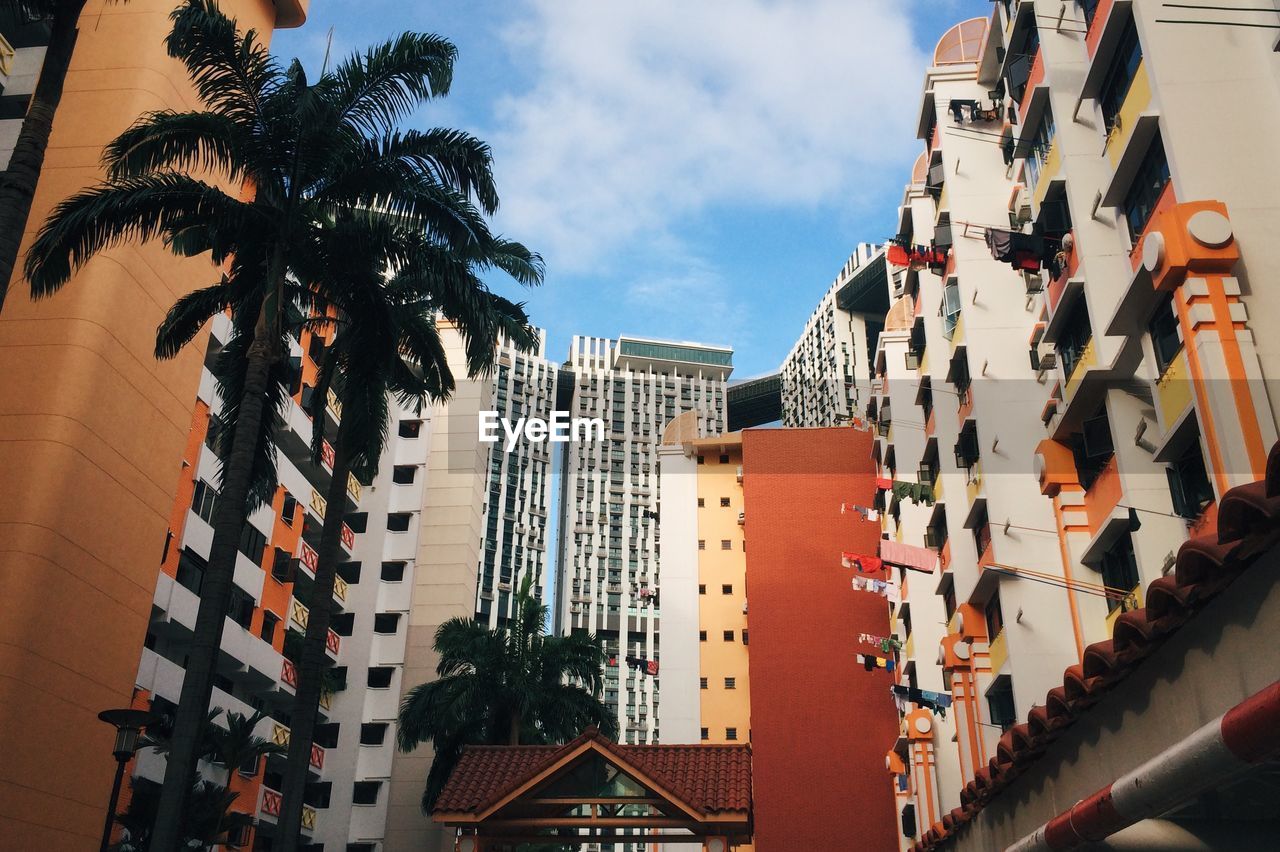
(1020, 204)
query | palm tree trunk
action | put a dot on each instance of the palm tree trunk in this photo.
(513, 728)
(215, 590)
(18, 181)
(312, 661)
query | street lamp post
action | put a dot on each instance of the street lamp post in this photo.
(128, 725)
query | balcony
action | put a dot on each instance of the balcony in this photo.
(1133, 113)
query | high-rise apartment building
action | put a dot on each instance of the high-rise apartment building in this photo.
(826, 376)
(354, 742)
(1071, 371)
(609, 579)
(704, 579)
(518, 496)
(91, 431)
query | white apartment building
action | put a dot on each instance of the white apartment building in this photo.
(609, 555)
(827, 374)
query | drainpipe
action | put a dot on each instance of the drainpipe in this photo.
(1244, 735)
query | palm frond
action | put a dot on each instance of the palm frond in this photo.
(165, 140)
(374, 90)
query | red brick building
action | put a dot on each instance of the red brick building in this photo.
(820, 723)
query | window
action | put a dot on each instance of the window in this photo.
(250, 765)
(358, 521)
(702, 683)
(343, 623)
(1000, 703)
(1148, 185)
(240, 607)
(386, 623)
(252, 542)
(705, 734)
(1075, 336)
(373, 733)
(730, 733)
(744, 635)
(1088, 8)
(724, 458)
(398, 522)
(726, 589)
(1120, 569)
(288, 508)
(702, 635)
(702, 544)
(726, 544)
(724, 502)
(326, 734)
(1189, 484)
(1040, 145)
(731, 683)
(380, 677)
(269, 622)
(392, 572)
(191, 570)
(365, 792)
(966, 449)
(1124, 67)
(950, 308)
(204, 501)
(702, 501)
(728, 636)
(701, 460)
(949, 601)
(1092, 448)
(994, 616)
(404, 474)
(410, 428)
(702, 588)
(1165, 339)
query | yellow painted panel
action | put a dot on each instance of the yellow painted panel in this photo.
(957, 336)
(1087, 360)
(999, 650)
(339, 588)
(973, 489)
(353, 486)
(1173, 390)
(298, 614)
(1135, 103)
(909, 649)
(318, 503)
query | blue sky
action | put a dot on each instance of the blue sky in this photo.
(689, 170)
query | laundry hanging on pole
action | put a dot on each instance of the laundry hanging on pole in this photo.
(916, 492)
(864, 564)
(920, 559)
(868, 514)
(936, 702)
(871, 663)
(641, 664)
(885, 643)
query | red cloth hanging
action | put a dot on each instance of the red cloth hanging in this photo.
(897, 255)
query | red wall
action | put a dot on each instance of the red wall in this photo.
(820, 723)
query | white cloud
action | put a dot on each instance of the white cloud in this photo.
(641, 115)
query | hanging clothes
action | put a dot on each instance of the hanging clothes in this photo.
(1000, 242)
(920, 559)
(898, 255)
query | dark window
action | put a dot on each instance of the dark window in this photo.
(726, 589)
(1092, 448)
(1165, 340)
(1000, 703)
(1124, 66)
(702, 588)
(701, 502)
(724, 501)
(949, 601)
(393, 572)
(966, 449)
(343, 623)
(731, 683)
(982, 532)
(240, 607)
(358, 521)
(702, 635)
(1075, 336)
(410, 428)
(252, 542)
(726, 544)
(702, 682)
(204, 501)
(386, 622)
(317, 794)
(1120, 569)
(365, 793)
(728, 636)
(326, 734)
(724, 459)
(705, 734)
(1189, 484)
(1088, 8)
(995, 616)
(269, 623)
(288, 508)
(398, 521)
(380, 677)
(701, 460)
(404, 474)
(349, 572)
(373, 733)
(730, 733)
(191, 570)
(249, 766)
(702, 544)
(1148, 184)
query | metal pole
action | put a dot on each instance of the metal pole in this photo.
(111, 807)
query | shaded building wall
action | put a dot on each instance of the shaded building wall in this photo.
(821, 724)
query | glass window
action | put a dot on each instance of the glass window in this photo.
(1165, 339)
(1189, 484)
(1120, 569)
(995, 616)
(1148, 185)
(365, 792)
(1124, 67)
(1000, 703)
(1074, 337)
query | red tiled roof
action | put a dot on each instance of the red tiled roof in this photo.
(709, 779)
(1248, 525)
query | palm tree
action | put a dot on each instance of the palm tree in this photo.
(510, 685)
(387, 344)
(308, 152)
(18, 181)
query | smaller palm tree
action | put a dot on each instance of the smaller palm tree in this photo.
(511, 685)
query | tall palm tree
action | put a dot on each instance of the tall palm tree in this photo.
(510, 685)
(387, 344)
(308, 152)
(18, 180)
